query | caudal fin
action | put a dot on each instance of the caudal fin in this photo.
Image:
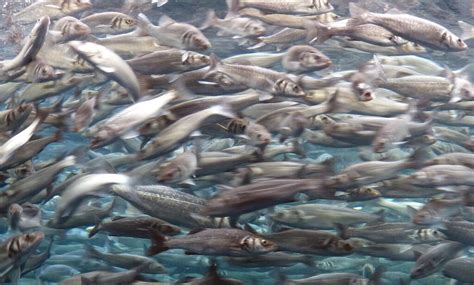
(158, 244)
(359, 15)
(209, 21)
(317, 32)
(467, 30)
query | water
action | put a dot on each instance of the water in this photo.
(372, 197)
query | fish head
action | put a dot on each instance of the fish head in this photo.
(314, 60)
(421, 270)
(429, 234)
(194, 59)
(254, 28)
(171, 173)
(425, 217)
(366, 192)
(257, 244)
(43, 72)
(321, 121)
(452, 42)
(258, 134)
(23, 244)
(363, 91)
(124, 22)
(463, 89)
(286, 86)
(380, 144)
(199, 42)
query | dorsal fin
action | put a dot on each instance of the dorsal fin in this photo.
(196, 230)
(165, 21)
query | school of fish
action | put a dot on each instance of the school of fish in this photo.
(237, 142)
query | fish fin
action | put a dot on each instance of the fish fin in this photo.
(379, 68)
(376, 278)
(158, 244)
(142, 25)
(341, 230)
(209, 21)
(130, 134)
(214, 62)
(411, 211)
(53, 6)
(265, 97)
(257, 46)
(467, 30)
(165, 21)
(394, 11)
(93, 231)
(417, 254)
(232, 9)
(14, 275)
(159, 3)
(358, 15)
(196, 230)
(317, 32)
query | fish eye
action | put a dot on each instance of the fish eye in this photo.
(264, 242)
(435, 232)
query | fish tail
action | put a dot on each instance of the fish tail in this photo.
(298, 148)
(142, 24)
(341, 230)
(359, 16)
(211, 18)
(379, 69)
(233, 7)
(157, 244)
(376, 278)
(467, 30)
(95, 229)
(317, 32)
(90, 251)
(309, 261)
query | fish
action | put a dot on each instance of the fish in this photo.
(169, 139)
(69, 28)
(126, 260)
(8, 148)
(434, 258)
(33, 43)
(419, 30)
(140, 227)
(263, 79)
(226, 242)
(302, 59)
(315, 216)
(289, 6)
(109, 23)
(176, 207)
(174, 34)
(233, 23)
(53, 9)
(459, 269)
(106, 131)
(15, 251)
(110, 64)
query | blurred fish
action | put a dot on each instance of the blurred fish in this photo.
(174, 34)
(419, 30)
(290, 6)
(51, 8)
(110, 64)
(109, 23)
